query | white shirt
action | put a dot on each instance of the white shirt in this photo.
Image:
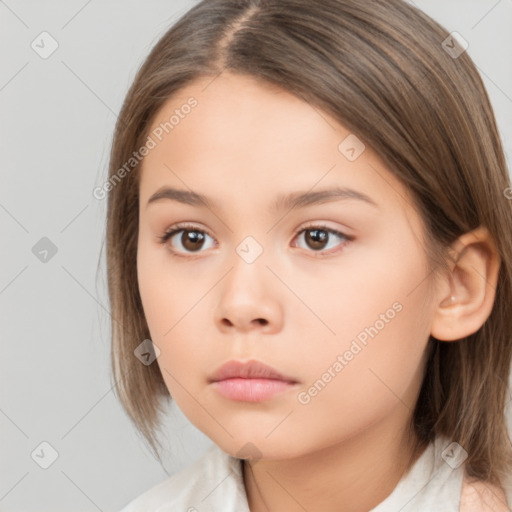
(214, 483)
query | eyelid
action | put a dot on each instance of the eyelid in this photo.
(322, 225)
(184, 226)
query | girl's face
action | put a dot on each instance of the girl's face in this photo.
(330, 290)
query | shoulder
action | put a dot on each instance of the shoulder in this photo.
(481, 496)
(187, 489)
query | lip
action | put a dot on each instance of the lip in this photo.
(250, 381)
(248, 370)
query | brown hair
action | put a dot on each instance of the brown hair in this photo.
(382, 70)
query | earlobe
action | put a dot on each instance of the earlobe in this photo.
(466, 298)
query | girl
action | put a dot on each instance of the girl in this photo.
(309, 248)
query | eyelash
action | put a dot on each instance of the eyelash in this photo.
(173, 230)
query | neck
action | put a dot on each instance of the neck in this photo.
(354, 475)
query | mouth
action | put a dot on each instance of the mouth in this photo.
(250, 381)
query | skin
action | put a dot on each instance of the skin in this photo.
(245, 143)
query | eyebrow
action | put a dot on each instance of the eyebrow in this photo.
(283, 202)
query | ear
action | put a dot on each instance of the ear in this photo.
(466, 293)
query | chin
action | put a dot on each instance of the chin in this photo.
(257, 447)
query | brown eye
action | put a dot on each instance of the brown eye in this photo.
(184, 240)
(319, 238)
(316, 238)
(192, 240)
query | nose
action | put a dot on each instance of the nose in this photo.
(249, 299)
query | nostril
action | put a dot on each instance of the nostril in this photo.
(229, 323)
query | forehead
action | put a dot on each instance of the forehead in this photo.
(244, 135)
(243, 115)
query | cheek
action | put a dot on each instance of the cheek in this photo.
(361, 383)
(381, 321)
(151, 290)
(364, 294)
(163, 293)
(171, 303)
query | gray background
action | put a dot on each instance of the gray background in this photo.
(58, 116)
